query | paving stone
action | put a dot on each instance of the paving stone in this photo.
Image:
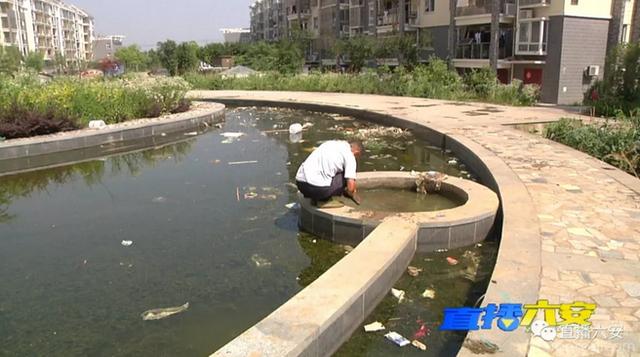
(632, 288)
(582, 232)
(603, 300)
(537, 352)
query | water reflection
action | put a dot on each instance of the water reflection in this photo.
(13, 187)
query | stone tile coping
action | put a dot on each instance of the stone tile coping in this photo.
(320, 318)
(445, 229)
(32, 153)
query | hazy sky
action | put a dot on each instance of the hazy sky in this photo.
(147, 22)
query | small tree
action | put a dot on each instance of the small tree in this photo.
(187, 57)
(35, 61)
(358, 49)
(60, 62)
(132, 57)
(10, 59)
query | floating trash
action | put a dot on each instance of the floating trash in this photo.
(293, 206)
(374, 327)
(419, 345)
(452, 261)
(235, 163)
(159, 199)
(232, 135)
(453, 162)
(126, 243)
(192, 133)
(397, 339)
(295, 128)
(260, 262)
(429, 294)
(158, 314)
(398, 294)
(413, 271)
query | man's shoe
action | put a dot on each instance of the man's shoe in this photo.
(331, 203)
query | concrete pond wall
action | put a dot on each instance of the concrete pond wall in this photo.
(20, 155)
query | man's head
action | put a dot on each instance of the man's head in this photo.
(356, 148)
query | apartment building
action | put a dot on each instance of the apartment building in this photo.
(47, 26)
(268, 22)
(560, 45)
(236, 35)
(105, 47)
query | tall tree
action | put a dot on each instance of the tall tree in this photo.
(402, 16)
(616, 24)
(167, 54)
(452, 32)
(635, 25)
(132, 57)
(187, 57)
(495, 35)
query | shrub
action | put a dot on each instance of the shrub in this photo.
(80, 101)
(434, 80)
(19, 122)
(616, 142)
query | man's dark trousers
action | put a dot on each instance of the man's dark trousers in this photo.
(318, 193)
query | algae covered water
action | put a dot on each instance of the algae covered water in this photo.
(85, 249)
(397, 200)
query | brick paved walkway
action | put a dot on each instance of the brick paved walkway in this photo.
(584, 241)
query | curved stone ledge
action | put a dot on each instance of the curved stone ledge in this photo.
(445, 229)
(20, 155)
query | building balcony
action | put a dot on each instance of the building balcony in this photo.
(480, 51)
(304, 15)
(524, 4)
(485, 7)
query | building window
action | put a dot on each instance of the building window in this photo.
(430, 5)
(625, 32)
(574, 2)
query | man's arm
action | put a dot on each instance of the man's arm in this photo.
(352, 191)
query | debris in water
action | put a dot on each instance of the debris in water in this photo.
(452, 261)
(293, 206)
(419, 345)
(192, 133)
(443, 250)
(219, 125)
(348, 249)
(428, 182)
(429, 294)
(413, 271)
(260, 262)
(159, 199)
(374, 327)
(157, 314)
(238, 194)
(231, 135)
(295, 128)
(398, 294)
(250, 195)
(215, 162)
(314, 241)
(397, 339)
(481, 347)
(163, 134)
(243, 162)
(453, 162)
(421, 333)
(126, 243)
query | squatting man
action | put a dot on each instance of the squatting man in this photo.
(328, 172)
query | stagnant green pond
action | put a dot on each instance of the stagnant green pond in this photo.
(207, 222)
(397, 200)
